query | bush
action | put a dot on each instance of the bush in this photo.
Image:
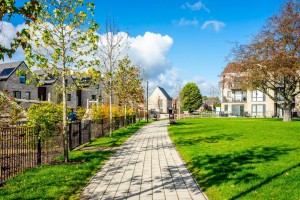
(45, 116)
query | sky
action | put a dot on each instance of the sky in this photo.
(178, 41)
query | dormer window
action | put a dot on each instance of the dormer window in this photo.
(23, 79)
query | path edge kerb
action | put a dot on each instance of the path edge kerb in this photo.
(183, 161)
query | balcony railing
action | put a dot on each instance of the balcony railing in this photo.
(234, 100)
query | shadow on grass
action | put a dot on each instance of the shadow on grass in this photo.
(212, 139)
(266, 181)
(237, 167)
(59, 181)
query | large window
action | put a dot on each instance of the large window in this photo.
(17, 94)
(238, 95)
(258, 96)
(258, 110)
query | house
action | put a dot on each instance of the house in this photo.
(159, 101)
(14, 85)
(48, 91)
(237, 101)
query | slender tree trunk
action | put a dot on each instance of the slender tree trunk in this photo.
(287, 117)
(65, 132)
(125, 117)
(179, 110)
(110, 108)
(132, 116)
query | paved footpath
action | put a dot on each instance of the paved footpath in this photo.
(146, 166)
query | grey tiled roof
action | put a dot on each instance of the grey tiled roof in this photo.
(164, 92)
(7, 69)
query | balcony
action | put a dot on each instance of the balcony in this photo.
(235, 100)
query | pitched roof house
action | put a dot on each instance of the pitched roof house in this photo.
(160, 101)
(14, 85)
(75, 98)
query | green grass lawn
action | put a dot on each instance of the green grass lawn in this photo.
(241, 158)
(65, 181)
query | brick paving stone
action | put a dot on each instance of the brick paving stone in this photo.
(146, 166)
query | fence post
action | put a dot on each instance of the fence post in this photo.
(70, 135)
(102, 124)
(80, 132)
(90, 130)
(39, 148)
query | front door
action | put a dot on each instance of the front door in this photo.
(42, 93)
(78, 97)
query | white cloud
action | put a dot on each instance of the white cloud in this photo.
(150, 51)
(194, 7)
(185, 22)
(7, 33)
(217, 25)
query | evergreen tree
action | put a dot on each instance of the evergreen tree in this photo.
(191, 97)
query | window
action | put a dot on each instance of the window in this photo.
(97, 86)
(160, 103)
(226, 108)
(28, 95)
(229, 94)
(69, 97)
(258, 96)
(93, 97)
(17, 94)
(258, 110)
(23, 79)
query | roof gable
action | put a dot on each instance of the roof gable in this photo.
(7, 69)
(163, 91)
(233, 67)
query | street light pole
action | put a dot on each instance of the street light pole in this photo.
(147, 103)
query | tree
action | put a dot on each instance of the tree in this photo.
(112, 46)
(270, 62)
(30, 11)
(128, 84)
(60, 45)
(191, 97)
(45, 117)
(10, 110)
(179, 97)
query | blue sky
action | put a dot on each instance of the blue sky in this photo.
(192, 38)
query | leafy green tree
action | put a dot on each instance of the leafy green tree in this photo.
(112, 44)
(30, 11)
(191, 97)
(45, 116)
(63, 41)
(128, 84)
(11, 111)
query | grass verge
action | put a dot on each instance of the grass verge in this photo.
(65, 181)
(240, 158)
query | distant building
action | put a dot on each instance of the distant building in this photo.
(240, 102)
(14, 85)
(160, 101)
(75, 98)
